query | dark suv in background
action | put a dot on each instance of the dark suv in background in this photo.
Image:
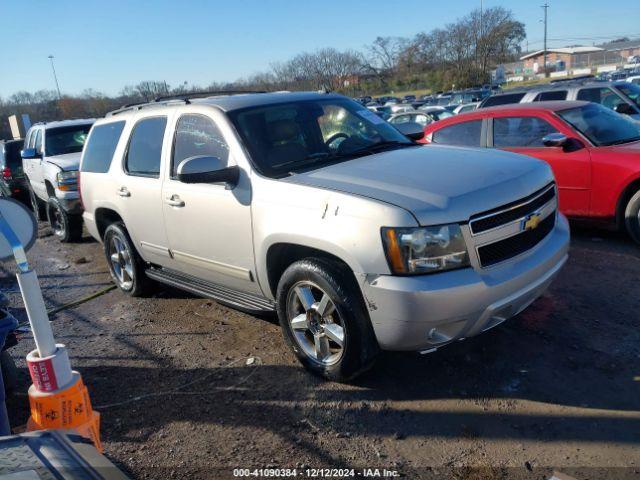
(12, 181)
(622, 97)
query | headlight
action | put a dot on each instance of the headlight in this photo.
(413, 251)
(67, 181)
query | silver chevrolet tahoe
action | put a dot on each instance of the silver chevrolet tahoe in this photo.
(310, 205)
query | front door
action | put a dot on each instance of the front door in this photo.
(208, 225)
(36, 174)
(571, 167)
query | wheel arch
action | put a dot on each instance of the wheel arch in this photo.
(105, 217)
(51, 191)
(281, 255)
(628, 192)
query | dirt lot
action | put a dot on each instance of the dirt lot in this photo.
(556, 388)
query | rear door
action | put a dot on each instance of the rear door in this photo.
(139, 188)
(471, 133)
(572, 167)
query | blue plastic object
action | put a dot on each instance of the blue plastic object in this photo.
(8, 324)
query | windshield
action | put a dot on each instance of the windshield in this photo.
(63, 140)
(441, 114)
(602, 126)
(632, 91)
(295, 136)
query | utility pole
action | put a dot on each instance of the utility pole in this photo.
(55, 77)
(546, 7)
(479, 61)
(481, 19)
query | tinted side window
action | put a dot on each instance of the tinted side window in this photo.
(12, 154)
(197, 135)
(28, 143)
(465, 134)
(145, 147)
(603, 96)
(503, 99)
(102, 144)
(37, 144)
(552, 95)
(520, 132)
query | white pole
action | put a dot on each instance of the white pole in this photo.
(37, 313)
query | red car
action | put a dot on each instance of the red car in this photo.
(594, 152)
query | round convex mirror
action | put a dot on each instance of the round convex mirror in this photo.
(23, 224)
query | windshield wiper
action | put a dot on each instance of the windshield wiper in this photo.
(620, 142)
(378, 147)
(323, 157)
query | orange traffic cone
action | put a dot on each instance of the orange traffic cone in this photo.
(58, 398)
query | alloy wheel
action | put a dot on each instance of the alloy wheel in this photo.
(121, 262)
(316, 323)
(56, 221)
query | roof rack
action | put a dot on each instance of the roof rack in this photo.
(209, 93)
(178, 97)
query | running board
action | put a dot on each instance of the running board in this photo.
(241, 300)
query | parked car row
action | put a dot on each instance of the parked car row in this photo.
(594, 152)
(623, 97)
(312, 206)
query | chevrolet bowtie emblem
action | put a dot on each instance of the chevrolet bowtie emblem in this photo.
(531, 222)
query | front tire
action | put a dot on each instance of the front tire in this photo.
(632, 217)
(37, 206)
(324, 321)
(125, 265)
(68, 228)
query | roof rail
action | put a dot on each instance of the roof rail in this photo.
(209, 93)
(138, 106)
(579, 78)
(178, 97)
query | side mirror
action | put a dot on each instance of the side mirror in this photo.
(555, 140)
(411, 130)
(206, 169)
(625, 109)
(29, 154)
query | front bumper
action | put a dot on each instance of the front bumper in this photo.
(70, 202)
(428, 311)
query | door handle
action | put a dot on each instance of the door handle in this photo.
(123, 192)
(174, 201)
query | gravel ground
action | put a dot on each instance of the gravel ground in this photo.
(188, 388)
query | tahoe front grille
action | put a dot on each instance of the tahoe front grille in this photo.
(508, 213)
(513, 246)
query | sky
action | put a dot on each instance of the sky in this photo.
(105, 45)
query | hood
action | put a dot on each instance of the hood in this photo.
(632, 148)
(436, 184)
(68, 161)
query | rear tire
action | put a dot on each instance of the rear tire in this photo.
(125, 265)
(37, 206)
(336, 341)
(632, 217)
(68, 228)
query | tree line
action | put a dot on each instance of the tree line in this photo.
(460, 54)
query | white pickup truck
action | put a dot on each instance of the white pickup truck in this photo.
(50, 161)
